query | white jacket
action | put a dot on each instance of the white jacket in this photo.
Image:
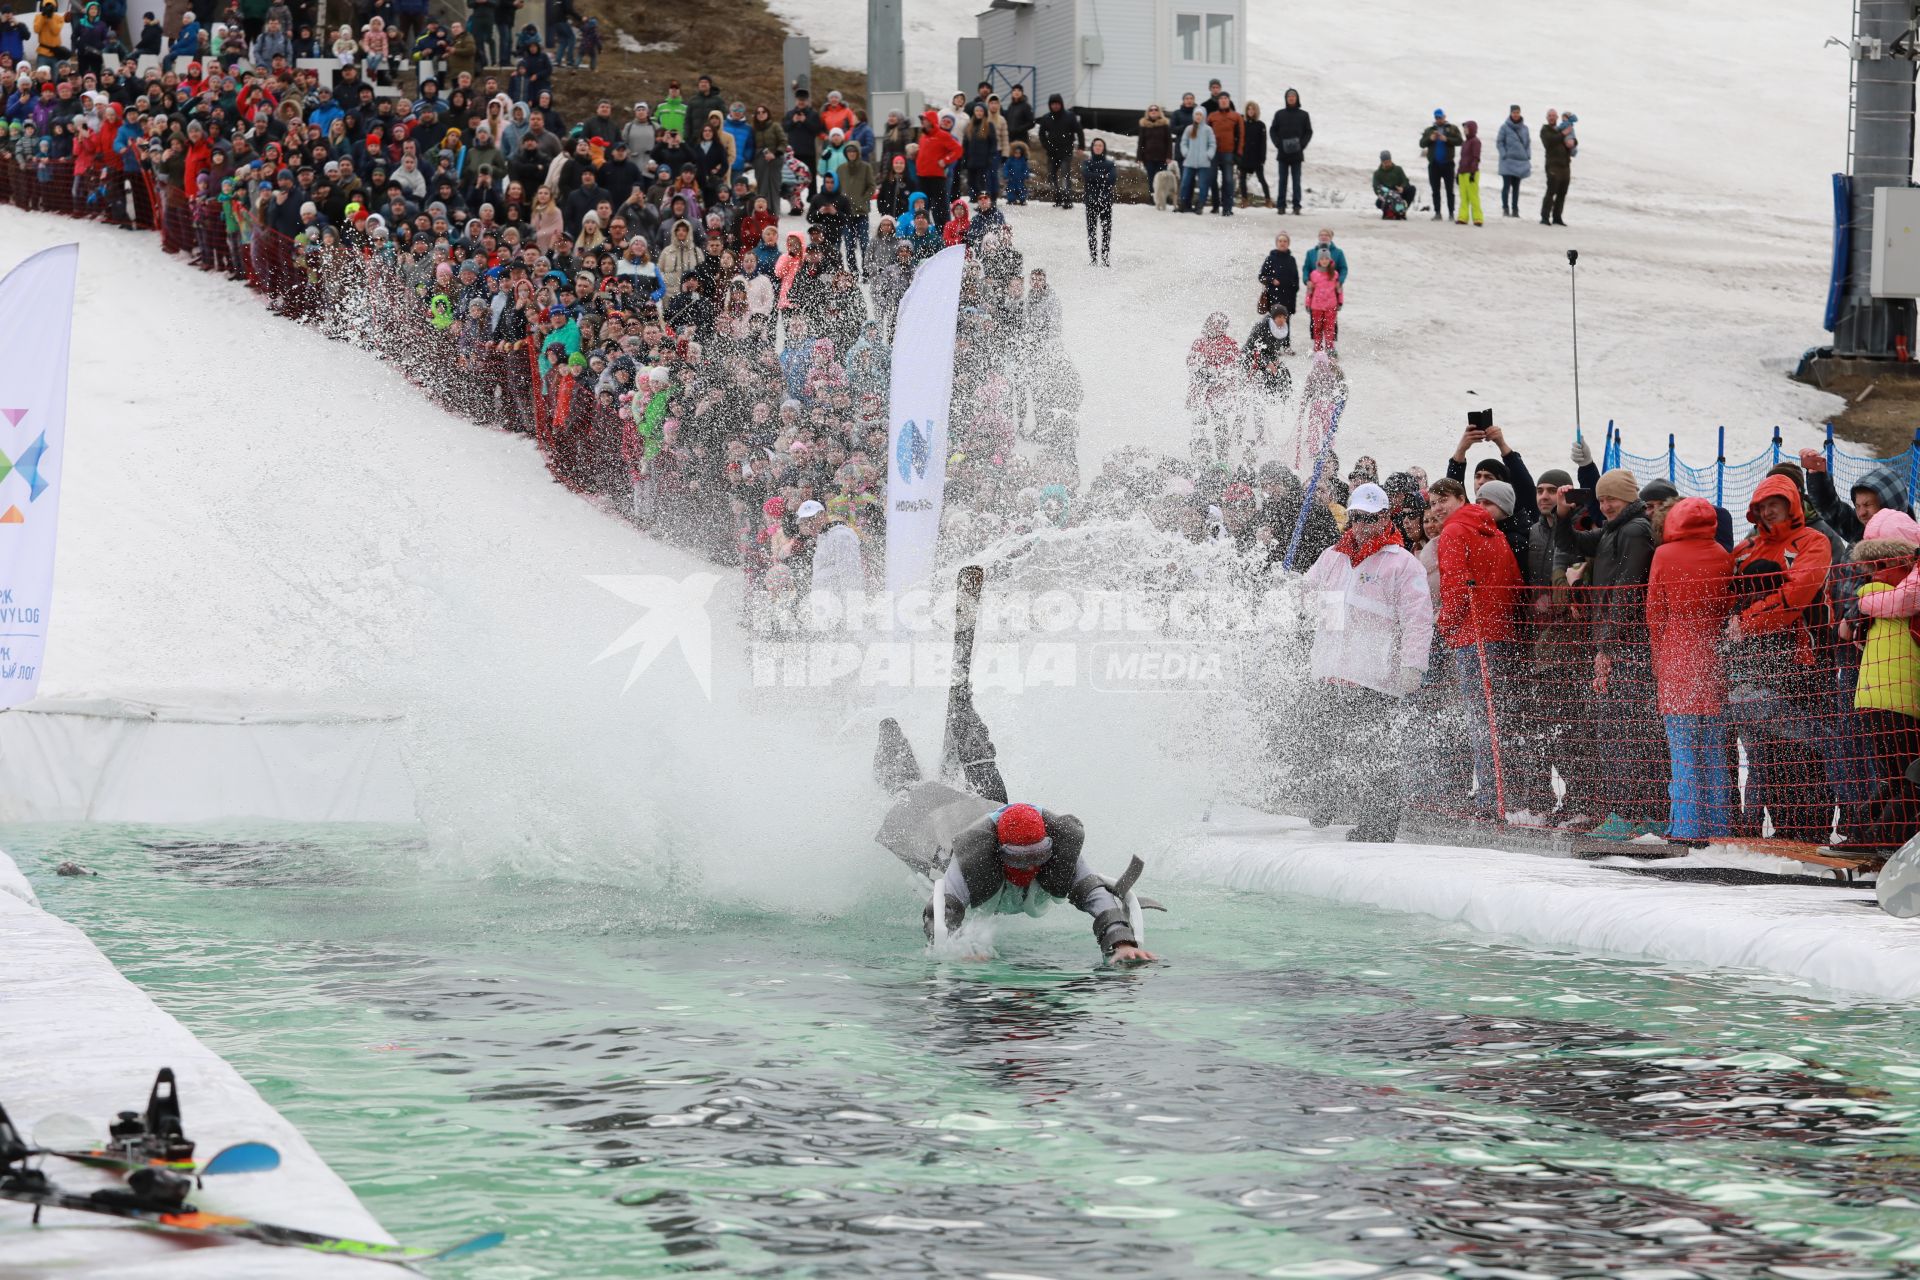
(1375, 618)
(837, 565)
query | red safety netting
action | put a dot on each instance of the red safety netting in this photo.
(1750, 701)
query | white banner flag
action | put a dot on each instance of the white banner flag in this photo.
(36, 323)
(922, 393)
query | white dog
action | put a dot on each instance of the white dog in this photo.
(1166, 189)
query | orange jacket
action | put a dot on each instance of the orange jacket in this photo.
(1804, 556)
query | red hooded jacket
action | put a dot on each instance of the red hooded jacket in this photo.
(1804, 554)
(1688, 602)
(1479, 580)
(938, 148)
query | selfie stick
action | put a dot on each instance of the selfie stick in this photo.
(1573, 281)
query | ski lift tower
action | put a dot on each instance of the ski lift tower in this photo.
(1876, 265)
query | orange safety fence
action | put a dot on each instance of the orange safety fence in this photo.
(1757, 701)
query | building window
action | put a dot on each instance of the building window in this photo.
(1203, 38)
(1220, 39)
(1186, 36)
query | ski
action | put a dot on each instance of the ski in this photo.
(139, 1204)
(241, 1157)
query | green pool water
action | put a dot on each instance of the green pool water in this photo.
(1303, 1090)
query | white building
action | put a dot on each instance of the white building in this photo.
(1116, 56)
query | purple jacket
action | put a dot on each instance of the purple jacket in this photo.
(1470, 149)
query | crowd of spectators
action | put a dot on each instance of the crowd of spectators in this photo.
(1598, 653)
(631, 297)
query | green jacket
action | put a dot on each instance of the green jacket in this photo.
(856, 184)
(1434, 133)
(1390, 177)
(1553, 145)
(567, 335)
(648, 424)
(671, 113)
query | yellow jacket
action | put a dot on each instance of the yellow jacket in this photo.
(47, 28)
(1890, 666)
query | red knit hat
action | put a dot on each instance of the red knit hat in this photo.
(1020, 824)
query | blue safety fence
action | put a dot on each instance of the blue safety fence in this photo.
(1731, 484)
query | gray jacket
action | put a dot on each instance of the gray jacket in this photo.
(974, 878)
(1515, 146)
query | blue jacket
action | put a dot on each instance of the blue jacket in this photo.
(1311, 259)
(1515, 145)
(323, 117)
(742, 134)
(903, 225)
(13, 43)
(863, 134)
(125, 143)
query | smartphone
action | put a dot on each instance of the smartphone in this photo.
(1479, 419)
(1580, 497)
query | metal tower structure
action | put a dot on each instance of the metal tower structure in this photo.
(886, 50)
(1880, 122)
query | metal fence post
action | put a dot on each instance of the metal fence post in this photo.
(1673, 464)
(1720, 472)
(1829, 449)
(1776, 446)
(1913, 467)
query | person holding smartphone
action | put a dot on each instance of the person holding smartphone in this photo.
(1509, 467)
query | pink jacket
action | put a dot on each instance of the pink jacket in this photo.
(1324, 293)
(785, 269)
(1904, 600)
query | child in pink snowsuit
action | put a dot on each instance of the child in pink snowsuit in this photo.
(1323, 302)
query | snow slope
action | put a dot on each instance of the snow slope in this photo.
(310, 534)
(1700, 206)
(83, 1042)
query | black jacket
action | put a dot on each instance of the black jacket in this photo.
(1838, 512)
(1253, 150)
(1019, 119)
(1061, 133)
(1290, 125)
(1280, 274)
(1621, 552)
(1100, 177)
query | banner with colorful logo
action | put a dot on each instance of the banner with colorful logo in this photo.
(36, 326)
(922, 394)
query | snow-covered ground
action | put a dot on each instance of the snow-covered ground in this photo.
(1700, 205)
(83, 1042)
(1835, 939)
